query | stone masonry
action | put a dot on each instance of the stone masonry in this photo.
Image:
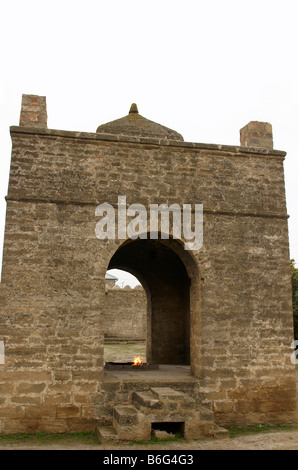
(223, 312)
(158, 406)
(125, 313)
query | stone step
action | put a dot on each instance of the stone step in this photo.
(146, 401)
(130, 424)
(205, 413)
(173, 400)
(167, 393)
(164, 398)
(107, 434)
(125, 415)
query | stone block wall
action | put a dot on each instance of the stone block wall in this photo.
(125, 314)
(248, 374)
(52, 333)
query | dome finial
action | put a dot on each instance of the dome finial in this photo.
(133, 109)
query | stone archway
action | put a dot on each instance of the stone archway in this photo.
(170, 277)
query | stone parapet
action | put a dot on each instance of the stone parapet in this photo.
(147, 140)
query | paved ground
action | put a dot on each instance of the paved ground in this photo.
(164, 374)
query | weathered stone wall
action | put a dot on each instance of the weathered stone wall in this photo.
(50, 323)
(125, 314)
(248, 329)
(53, 302)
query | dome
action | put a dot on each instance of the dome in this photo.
(137, 126)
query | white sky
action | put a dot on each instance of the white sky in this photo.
(202, 68)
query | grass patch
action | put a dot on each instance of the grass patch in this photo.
(86, 437)
(124, 352)
(155, 440)
(236, 431)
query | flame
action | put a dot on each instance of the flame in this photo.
(138, 361)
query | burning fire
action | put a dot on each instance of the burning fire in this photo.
(138, 361)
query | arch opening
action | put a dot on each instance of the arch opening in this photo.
(167, 273)
(124, 318)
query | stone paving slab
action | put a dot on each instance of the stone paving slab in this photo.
(165, 373)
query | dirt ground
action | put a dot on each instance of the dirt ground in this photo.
(280, 440)
(276, 440)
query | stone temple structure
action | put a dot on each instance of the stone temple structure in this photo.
(219, 317)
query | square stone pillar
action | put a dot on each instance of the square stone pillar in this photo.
(33, 111)
(257, 134)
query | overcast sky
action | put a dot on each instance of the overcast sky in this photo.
(202, 68)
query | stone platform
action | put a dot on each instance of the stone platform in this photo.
(130, 365)
(163, 374)
(139, 402)
(156, 408)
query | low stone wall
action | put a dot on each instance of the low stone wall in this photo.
(125, 313)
